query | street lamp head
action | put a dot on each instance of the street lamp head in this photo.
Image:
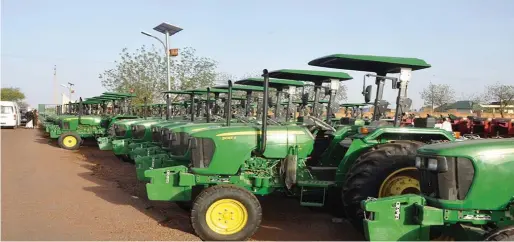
(167, 28)
(147, 34)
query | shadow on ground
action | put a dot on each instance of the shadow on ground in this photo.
(283, 218)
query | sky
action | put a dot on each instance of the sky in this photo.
(469, 43)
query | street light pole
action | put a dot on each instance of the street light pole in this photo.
(167, 30)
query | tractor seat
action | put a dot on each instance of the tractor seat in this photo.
(424, 122)
(347, 121)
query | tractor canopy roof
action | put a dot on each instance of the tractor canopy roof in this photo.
(242, 87)
(273, 83)
(177, 92)
(348, 105)
(211, 90)
(317, 77)
(118, 94)
(369, 63)
(310, 101)
(91, 101)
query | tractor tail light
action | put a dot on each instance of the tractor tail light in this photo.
(363, 130)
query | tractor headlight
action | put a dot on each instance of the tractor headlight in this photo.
(432, 164)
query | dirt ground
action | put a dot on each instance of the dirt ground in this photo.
(52, 194)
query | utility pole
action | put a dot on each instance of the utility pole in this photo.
(56, 98)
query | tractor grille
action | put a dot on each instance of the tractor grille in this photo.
(179, 144)
(120, 130)
(202, 150)
(139, 132)
(156, 134)
(452, 184)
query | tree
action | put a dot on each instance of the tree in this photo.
(437, 95)
(144, 72)
(13, 94)
(501, 94)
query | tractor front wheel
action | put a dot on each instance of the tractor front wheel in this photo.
(503, 234)
(386, 170)
(226, 212)
(69, 141)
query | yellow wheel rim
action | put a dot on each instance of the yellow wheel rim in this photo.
(226, 216)
(69, 141)
(399, 182)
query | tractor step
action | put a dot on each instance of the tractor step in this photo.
(313, 192)
(316, 183)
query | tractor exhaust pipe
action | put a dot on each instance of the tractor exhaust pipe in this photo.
(229, 103)
(265, 74)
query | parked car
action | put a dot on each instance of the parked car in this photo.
(10, 114)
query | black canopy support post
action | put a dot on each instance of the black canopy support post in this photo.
(317, 87)
(279, 104)
(208, 107)
(229, 103)
(288, 108)
(380, 82)
(192, 107)
(264, 128)
(248, 103)
(168, 106)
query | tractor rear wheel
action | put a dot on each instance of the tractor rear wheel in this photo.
(226, 212)
(69, 141)
(504, 234)
(386, 170)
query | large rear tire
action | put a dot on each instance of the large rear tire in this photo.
(504, 234)
(386, 170)
(226, 212)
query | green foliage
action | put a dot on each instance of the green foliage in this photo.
(13, 94)
(144, 72)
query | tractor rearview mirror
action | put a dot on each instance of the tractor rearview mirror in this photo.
(367, 94)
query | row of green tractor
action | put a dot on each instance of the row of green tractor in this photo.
(219, 148)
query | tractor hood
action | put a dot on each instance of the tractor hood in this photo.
(126, 122)
(87, 119)
(469, 148)
(223, 150)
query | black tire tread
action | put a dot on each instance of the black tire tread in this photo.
(362, 182)
(504, 234)
(226, 190)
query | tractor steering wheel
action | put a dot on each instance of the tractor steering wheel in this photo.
(318, 123)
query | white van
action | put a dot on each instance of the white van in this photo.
(10, 114)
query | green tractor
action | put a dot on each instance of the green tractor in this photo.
(467, 193)
(174, 144)
(322, 165)
(72, 129)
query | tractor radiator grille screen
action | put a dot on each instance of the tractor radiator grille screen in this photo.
(165, 138)
(156, 134)
(139, 133)
(179, 144)
(202, 150)
(452, 184)
(120, 130)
